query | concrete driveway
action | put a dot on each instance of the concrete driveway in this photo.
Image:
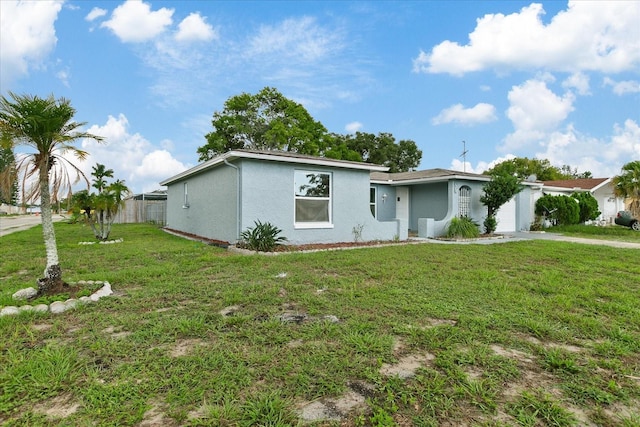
(11, 224)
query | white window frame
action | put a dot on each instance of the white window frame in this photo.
(373, 205)
(186, 196)
(329, 199)
(464, 201)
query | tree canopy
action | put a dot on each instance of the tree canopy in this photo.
(524, 167)
(270, 121)
(8, 176)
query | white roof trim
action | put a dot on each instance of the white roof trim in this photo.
(232, 155)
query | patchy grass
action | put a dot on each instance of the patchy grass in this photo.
(519, 333)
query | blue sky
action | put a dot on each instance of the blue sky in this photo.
(554, 80)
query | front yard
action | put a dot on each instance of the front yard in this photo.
(520, 333)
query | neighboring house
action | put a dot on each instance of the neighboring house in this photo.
(427, 200)
(145, 207)
(600, 188)
(311, 199)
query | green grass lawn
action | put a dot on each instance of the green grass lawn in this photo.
(530, 333)
(610, 232)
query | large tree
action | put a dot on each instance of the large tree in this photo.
(46, 127)
(627, 185)
(264, 121)
(524, 167)
(382, 149)
(270, 121)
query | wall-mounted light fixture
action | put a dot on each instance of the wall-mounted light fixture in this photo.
(384, 197)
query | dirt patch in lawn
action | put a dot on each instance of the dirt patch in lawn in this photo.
(61, 406)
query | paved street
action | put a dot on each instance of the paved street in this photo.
(11, 224)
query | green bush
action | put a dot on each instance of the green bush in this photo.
(587, 205)
(262, 238)
(463, 227)
(490, 224)
(560, 210)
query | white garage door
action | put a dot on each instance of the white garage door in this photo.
(506, 217)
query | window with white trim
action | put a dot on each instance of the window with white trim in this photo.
(372, 201)
(186, 196)
(312, 192)
(464, 202)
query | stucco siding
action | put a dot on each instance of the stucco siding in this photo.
(212, 204)
(428, 201)
(268, 196)
(385, 205)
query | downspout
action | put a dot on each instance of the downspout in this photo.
(238, 207)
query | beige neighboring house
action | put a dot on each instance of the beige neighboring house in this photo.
(600, 188)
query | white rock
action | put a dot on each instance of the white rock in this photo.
(41, 308)
(58, 307)
(104, 291)
(9, 311)
(71, 303)
(24, 294)
(25, 308)
(84, 300)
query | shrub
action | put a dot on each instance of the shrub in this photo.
(587, 205)
(262, 238)
(560, 210)
(490, 224)
(463, 227)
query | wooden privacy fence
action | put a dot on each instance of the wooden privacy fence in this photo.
(134, 211)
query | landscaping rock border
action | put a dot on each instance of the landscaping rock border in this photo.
(106, 242)
(57, 307)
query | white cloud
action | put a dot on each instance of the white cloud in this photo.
(602, 157)
(623, 87)
(194, 28)
(522, 41)
(63, 76)
(533, 106)
(480, 113)
(301, 38)
(578, 81)
(134, 22)
(458, 165)
(139, 163)
(95, 13)
(353, 127)
(27, 36)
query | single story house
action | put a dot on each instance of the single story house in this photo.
(427, 200)
(600, 188)
(311, 199)
(319, 200)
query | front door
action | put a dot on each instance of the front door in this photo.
(402, 203)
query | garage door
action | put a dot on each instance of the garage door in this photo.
(506, 217)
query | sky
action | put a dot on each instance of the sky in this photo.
(551, 80)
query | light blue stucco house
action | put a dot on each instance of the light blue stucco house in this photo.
(319, 200)
(427, 200)
(311, 199)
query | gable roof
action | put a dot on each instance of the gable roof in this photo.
(580, 184)
(275, 156)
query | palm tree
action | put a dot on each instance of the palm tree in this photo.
(627, 185)
(46, 126)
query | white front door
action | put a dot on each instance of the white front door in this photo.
(506, 217)
(402, 203)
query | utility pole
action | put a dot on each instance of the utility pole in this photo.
(464, 156)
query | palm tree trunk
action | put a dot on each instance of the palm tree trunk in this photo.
(52, 273)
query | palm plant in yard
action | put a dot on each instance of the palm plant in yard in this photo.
(46, 126)
(627, 185)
